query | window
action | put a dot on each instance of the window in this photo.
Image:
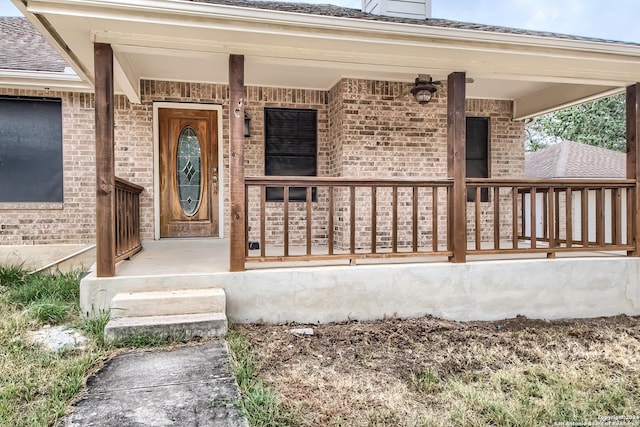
(477, 154)
(290, 148)
(30, 150)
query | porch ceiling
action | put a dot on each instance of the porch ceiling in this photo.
(185, 41)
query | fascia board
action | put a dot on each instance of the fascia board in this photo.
(53, 41)
(171, 11)
(43, 80)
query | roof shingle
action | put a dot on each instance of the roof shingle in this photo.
(345, 12)
(23, 48)
(575, 160)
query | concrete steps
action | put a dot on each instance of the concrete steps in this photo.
(181, 314)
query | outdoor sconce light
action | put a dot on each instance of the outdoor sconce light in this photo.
(247, 125)
(423, 90)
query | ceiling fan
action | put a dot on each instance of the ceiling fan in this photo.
(424, 87)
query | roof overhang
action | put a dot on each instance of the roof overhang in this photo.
(190, 41)
(42, 80)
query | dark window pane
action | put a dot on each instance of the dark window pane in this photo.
(296, 194)
(30, 150)
(477, 148)
(290, 148)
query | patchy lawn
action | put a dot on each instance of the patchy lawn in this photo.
(431, 372)
(36, 385)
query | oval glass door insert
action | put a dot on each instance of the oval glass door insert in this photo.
(189, 171)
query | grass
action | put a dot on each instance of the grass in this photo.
(259, 403)
(431, 372)
(36, 386)
(422, 372)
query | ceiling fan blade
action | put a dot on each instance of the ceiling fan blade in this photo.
(405, 93)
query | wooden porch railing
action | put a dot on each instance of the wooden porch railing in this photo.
(127, 219)
(314, 218)
(317, 218)
(549, 216)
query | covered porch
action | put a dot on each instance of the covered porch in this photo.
(348, 213)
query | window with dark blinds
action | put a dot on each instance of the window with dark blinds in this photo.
(291, 148)
(30, 150)
(477, 154)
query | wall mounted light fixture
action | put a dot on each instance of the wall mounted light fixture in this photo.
(247, 125)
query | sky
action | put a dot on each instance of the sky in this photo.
(609, 19)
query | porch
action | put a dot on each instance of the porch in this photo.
(485, 288)
(424, 210)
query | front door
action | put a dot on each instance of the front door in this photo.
(188, 173)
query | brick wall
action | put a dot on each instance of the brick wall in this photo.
(365, 129)
(386, 135)
(72, 221)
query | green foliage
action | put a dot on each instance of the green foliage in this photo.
(12, 275)
(600, 123)
(534, 395)
(94, 325)
(147, 340)
(424, 382)
(47, 298)
(36, 385)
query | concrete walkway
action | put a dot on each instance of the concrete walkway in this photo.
(185, 386)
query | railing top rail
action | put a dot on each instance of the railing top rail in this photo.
(548, 183)
(340, 181)
(129, 186)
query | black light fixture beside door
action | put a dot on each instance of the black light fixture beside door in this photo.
(247, 125)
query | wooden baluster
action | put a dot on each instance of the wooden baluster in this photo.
(285, 208)
(352, 211)
(478, 218)
(374, 218)
(394, 231)
(630, 215)
(331, 213)
(309, 218)
(415, 218)
(569, 217)
(434, 218)
(263, 221)
(514, 217)
(496, 217)
(616, 215)
(553, 202)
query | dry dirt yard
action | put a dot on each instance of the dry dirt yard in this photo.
(432, 372)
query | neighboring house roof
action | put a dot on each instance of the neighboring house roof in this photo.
(575, 160)
(23, 48)
(345, 12)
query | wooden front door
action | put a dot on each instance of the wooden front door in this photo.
(188, 173)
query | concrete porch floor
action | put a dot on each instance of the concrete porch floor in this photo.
(211, 255)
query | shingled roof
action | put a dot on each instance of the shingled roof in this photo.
(575, 160)
(23, 48)
(345, 12)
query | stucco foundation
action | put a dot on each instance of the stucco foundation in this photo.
(33, 257)
(488, 290)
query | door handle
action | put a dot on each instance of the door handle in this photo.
(214, 180)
